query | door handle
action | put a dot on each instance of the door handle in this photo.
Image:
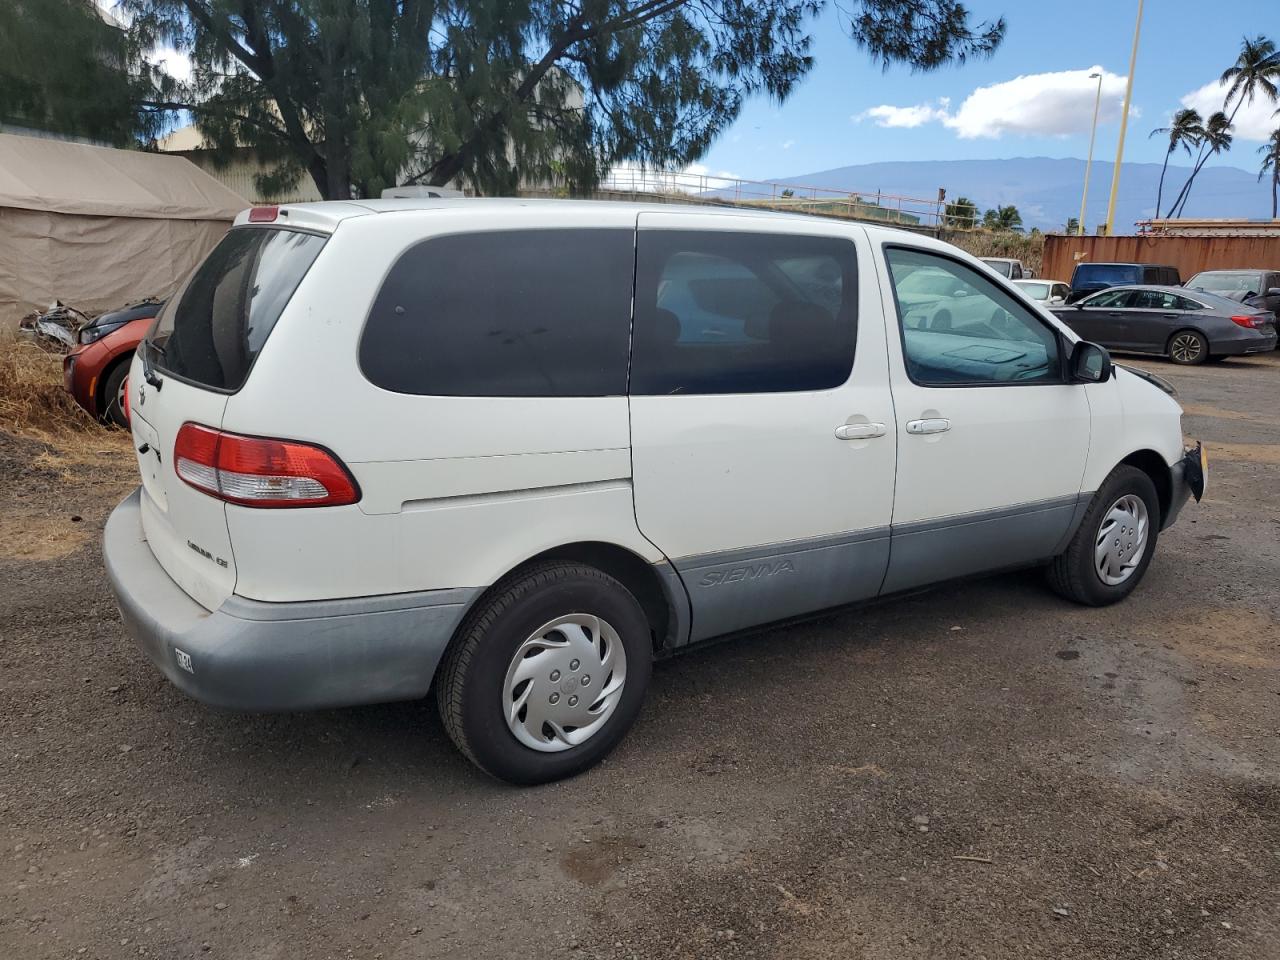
(860, 431)
(935, 425)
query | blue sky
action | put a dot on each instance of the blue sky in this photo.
(848, 111)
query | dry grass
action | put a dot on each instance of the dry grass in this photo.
(986, 243)
(32, 400)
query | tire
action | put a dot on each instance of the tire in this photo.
(112, 412)
(1074, 574)
(1188, 348)
(474, 689)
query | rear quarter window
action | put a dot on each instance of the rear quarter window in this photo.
(521, 313)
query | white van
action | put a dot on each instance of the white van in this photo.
(519, 449)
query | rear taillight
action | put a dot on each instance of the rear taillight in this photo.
(1249, 320)
(259, 471)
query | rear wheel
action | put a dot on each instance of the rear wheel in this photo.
(547, 674)
(1188, 347)
(113, 395)
(1111, 550)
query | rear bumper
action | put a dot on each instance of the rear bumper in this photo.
(250, 655)
(1258, 342)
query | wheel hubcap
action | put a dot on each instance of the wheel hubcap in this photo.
(1186, 348)
(1122, 540)
(564, 682)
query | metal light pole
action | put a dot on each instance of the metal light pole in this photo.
(1124, 124)
(1088, 166)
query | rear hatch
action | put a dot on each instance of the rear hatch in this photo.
(198, 353)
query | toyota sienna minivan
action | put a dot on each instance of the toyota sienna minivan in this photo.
(516, 450)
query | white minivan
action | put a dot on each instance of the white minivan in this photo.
(518, 450)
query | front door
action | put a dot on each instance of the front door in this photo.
(992, 441)
(761, 418)
(1100, 318)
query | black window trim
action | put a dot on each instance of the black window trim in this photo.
(157, 360)
(1007, 285)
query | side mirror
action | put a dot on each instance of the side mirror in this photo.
(1090, 363)
(1273, 292)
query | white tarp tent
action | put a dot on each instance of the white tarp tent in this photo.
(96, 227)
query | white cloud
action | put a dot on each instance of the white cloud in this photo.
(908, 118)
(788, 144)
(1039, 104)
(1255, 121)
(177, 65)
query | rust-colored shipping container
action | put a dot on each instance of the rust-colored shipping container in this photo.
(1189, 254)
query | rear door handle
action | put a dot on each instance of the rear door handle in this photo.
(860, 431)
(935, 425)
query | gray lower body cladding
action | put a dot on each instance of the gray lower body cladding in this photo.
(248, 655)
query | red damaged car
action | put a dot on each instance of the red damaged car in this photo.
(94, 371)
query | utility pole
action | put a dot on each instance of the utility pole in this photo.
(1088, 166)
(1124, 124)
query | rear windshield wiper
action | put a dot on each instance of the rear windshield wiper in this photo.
(148, 372)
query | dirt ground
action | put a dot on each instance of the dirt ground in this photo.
(980, 771)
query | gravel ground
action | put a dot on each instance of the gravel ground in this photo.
(979, 771)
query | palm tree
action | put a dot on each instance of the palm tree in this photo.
(1002, 218)
(1217, 139)
(962, 213)
(1256, 69)
(1186, 131)
(1271, 164)
(1072, 227)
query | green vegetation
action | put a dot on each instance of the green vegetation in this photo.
(65, 69)
(360, 94)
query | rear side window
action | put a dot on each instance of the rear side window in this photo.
(212, 331)
(720, 312)
(522, 313)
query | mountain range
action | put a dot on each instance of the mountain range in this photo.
(1046, 191)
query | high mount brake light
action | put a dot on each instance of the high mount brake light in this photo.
(261, 471)
(263, 214)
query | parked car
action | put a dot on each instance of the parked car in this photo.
(94, 371)
(1255, 288)
(1009, 268)
(543, 472)
(1049, 293)
(1090, 278)
(1187, 326)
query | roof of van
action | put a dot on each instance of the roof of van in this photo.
(328, 214)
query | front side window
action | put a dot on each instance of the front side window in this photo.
(521, 313)
(720, 312)
(959, 328)
(211, 332)
(1114, 299)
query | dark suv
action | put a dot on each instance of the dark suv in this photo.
(1091, 277)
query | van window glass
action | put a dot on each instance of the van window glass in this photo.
(520, 313)
(959, 328)
(720, 312)
(212, 331)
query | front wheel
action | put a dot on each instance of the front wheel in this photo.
(1111, 550)
(547, 674)
(1188, 347)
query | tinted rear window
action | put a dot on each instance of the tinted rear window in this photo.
(211, 333)
(527, 313)
(1105, 275)
(720, 312)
